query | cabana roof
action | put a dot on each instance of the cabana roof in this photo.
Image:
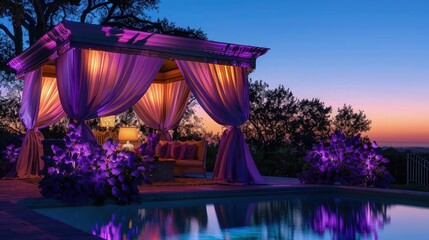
(68, 35)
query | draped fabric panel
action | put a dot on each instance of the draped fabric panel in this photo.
(40, 108)
(163, 106)
(97, 83)
(50, 109)
(222, 92)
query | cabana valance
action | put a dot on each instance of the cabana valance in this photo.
(68, 35)
(102, 71)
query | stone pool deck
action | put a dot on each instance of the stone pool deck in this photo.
(19, 222)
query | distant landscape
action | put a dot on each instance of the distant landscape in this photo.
(415, 150)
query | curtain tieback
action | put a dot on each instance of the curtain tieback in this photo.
(35, 129)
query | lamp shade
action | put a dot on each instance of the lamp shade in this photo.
(128, 134)
(108, 121)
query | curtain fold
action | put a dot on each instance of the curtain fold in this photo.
(222, 92)
(163, 106)
(40, 108)
(97, 83)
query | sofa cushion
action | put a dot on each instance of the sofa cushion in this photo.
(201, 149)
(168, 151)
(188, 152)
(161, 149)
(189, 163)
(175, 150)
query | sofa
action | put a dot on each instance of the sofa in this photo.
(189, 156)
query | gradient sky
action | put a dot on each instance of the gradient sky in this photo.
(373, 55)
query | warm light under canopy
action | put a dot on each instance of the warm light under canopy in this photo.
(108, 121)
(128, 134)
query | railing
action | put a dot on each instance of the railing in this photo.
(417, 170)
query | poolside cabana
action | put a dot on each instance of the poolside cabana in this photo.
(87, 71)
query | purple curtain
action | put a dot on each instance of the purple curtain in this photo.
(97, 83)
(163, 106)
(40, 108)
(222, 92)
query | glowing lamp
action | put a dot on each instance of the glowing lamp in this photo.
(107, 122)
(128, 134)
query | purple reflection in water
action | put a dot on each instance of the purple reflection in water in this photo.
(299, 216)
(348, 224)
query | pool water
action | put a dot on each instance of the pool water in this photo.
(310, 216)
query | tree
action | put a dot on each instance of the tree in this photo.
(272, 115)
(349, 122)
(191, 126)
(313, 124)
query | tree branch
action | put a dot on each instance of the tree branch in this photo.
(109, 15)
(136, 19)
(90, 9)
(8, 33)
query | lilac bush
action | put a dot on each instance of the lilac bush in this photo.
(88, 170)
(347, 161)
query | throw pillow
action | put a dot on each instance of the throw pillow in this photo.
(161, 149)
(175, 150)
(168, 151)
(189, 152)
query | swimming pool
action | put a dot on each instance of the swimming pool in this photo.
(291, 216)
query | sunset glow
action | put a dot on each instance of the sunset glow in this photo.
(372, 55)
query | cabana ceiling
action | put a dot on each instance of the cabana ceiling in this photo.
(68, 35)
(169, 71)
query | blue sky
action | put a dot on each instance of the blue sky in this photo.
(373, 55)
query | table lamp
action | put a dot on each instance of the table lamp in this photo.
(128, 134)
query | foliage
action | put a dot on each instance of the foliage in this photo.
(281, 127)
(86, 170)
(272, 118)
(10, 154)
(283, 161)
(397, 165)
(57, 130)
(349, 122)
(10, 104)
(191, 126)
(148, 148)
(213, 141)
(313, 124)
(348, 161)
(8, 158)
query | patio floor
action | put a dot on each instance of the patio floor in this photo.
(20, 222)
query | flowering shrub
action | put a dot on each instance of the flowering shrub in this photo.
(8, 158)
(10, 154)
(88, 170)
(348, 161)
(148, 148)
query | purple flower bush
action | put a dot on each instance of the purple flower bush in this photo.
(148, 148)
(347, 161)
(87, 170)
(8, 158)
(10, 153)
